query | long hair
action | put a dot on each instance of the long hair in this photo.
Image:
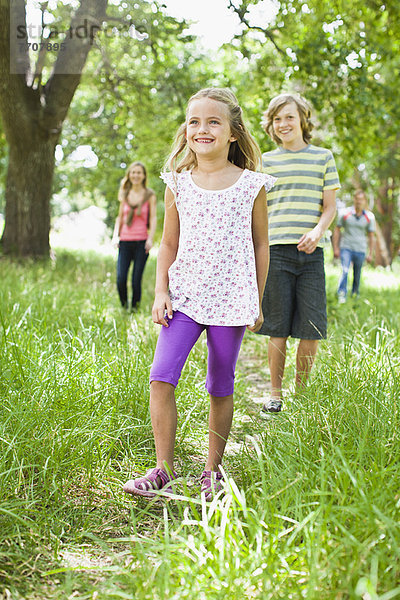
(244, 152)
(126, 186)
(277, 104)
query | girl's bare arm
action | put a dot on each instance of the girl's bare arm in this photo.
(166, 256)
(261, 248)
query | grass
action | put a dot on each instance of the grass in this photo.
(314, 505)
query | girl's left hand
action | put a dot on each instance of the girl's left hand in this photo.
(257, 325)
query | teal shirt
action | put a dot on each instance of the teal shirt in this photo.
(353, 237)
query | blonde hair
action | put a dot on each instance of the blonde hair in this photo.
(244, 152)
(277, 104)
(126, 186)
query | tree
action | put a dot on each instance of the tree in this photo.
(32, 115)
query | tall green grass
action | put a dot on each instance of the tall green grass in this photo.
(313, 502)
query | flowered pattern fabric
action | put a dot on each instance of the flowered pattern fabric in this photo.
(213, 278)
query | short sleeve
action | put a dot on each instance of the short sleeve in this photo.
(269, 181)
(263, 179)
(170, 180)
(371, 225)
(331, 179)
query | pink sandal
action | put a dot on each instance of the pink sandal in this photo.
(155, 480)
(211, 483)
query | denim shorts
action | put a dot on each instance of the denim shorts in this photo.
(294, 301)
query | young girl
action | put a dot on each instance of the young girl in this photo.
(134, 230)
(211, 270)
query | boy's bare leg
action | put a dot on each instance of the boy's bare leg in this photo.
(164, 421)
(220, 422)
(276, 363)
(305, 357)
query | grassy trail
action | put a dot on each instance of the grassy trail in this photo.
(312, 509)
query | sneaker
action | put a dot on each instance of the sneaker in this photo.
(341, 298)
(274, 405)
(211, 483)
(155, 480)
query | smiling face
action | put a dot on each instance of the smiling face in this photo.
(287, 126)
(208, 130)
(137, 175)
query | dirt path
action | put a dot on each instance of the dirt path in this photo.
(254, 370)
(252, 367)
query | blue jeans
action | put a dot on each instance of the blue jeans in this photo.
(346, 258)
(128, 252)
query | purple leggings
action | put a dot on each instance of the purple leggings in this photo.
(176, 341)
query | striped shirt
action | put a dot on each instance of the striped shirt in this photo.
(295, 201)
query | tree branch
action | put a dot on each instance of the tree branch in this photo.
(60, 88)
(41, 59)
(16, 98)
(20, 55)
(241, 12)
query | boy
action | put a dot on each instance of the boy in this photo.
(301, 206)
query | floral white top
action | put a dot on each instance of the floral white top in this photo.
(213, 278)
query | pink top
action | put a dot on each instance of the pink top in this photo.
(213, 278)
(137, 230)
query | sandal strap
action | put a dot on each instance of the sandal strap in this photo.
(209, 474)
(211, 483)
(151, 481)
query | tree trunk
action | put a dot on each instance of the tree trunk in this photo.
(385, 205)
(382, 255)
(32, 120)
(28, 193)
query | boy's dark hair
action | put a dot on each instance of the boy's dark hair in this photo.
(275, 106)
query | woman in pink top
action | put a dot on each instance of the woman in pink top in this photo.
(134, 230)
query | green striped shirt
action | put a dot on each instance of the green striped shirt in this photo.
(295, 201)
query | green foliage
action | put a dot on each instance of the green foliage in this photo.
(145, 65)
(342, 57)
(139, 100)
(312, 508)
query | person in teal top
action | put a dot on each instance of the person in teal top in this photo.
(301, 206)
(354, 227)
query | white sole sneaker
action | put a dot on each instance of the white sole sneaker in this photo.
(273, 406)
